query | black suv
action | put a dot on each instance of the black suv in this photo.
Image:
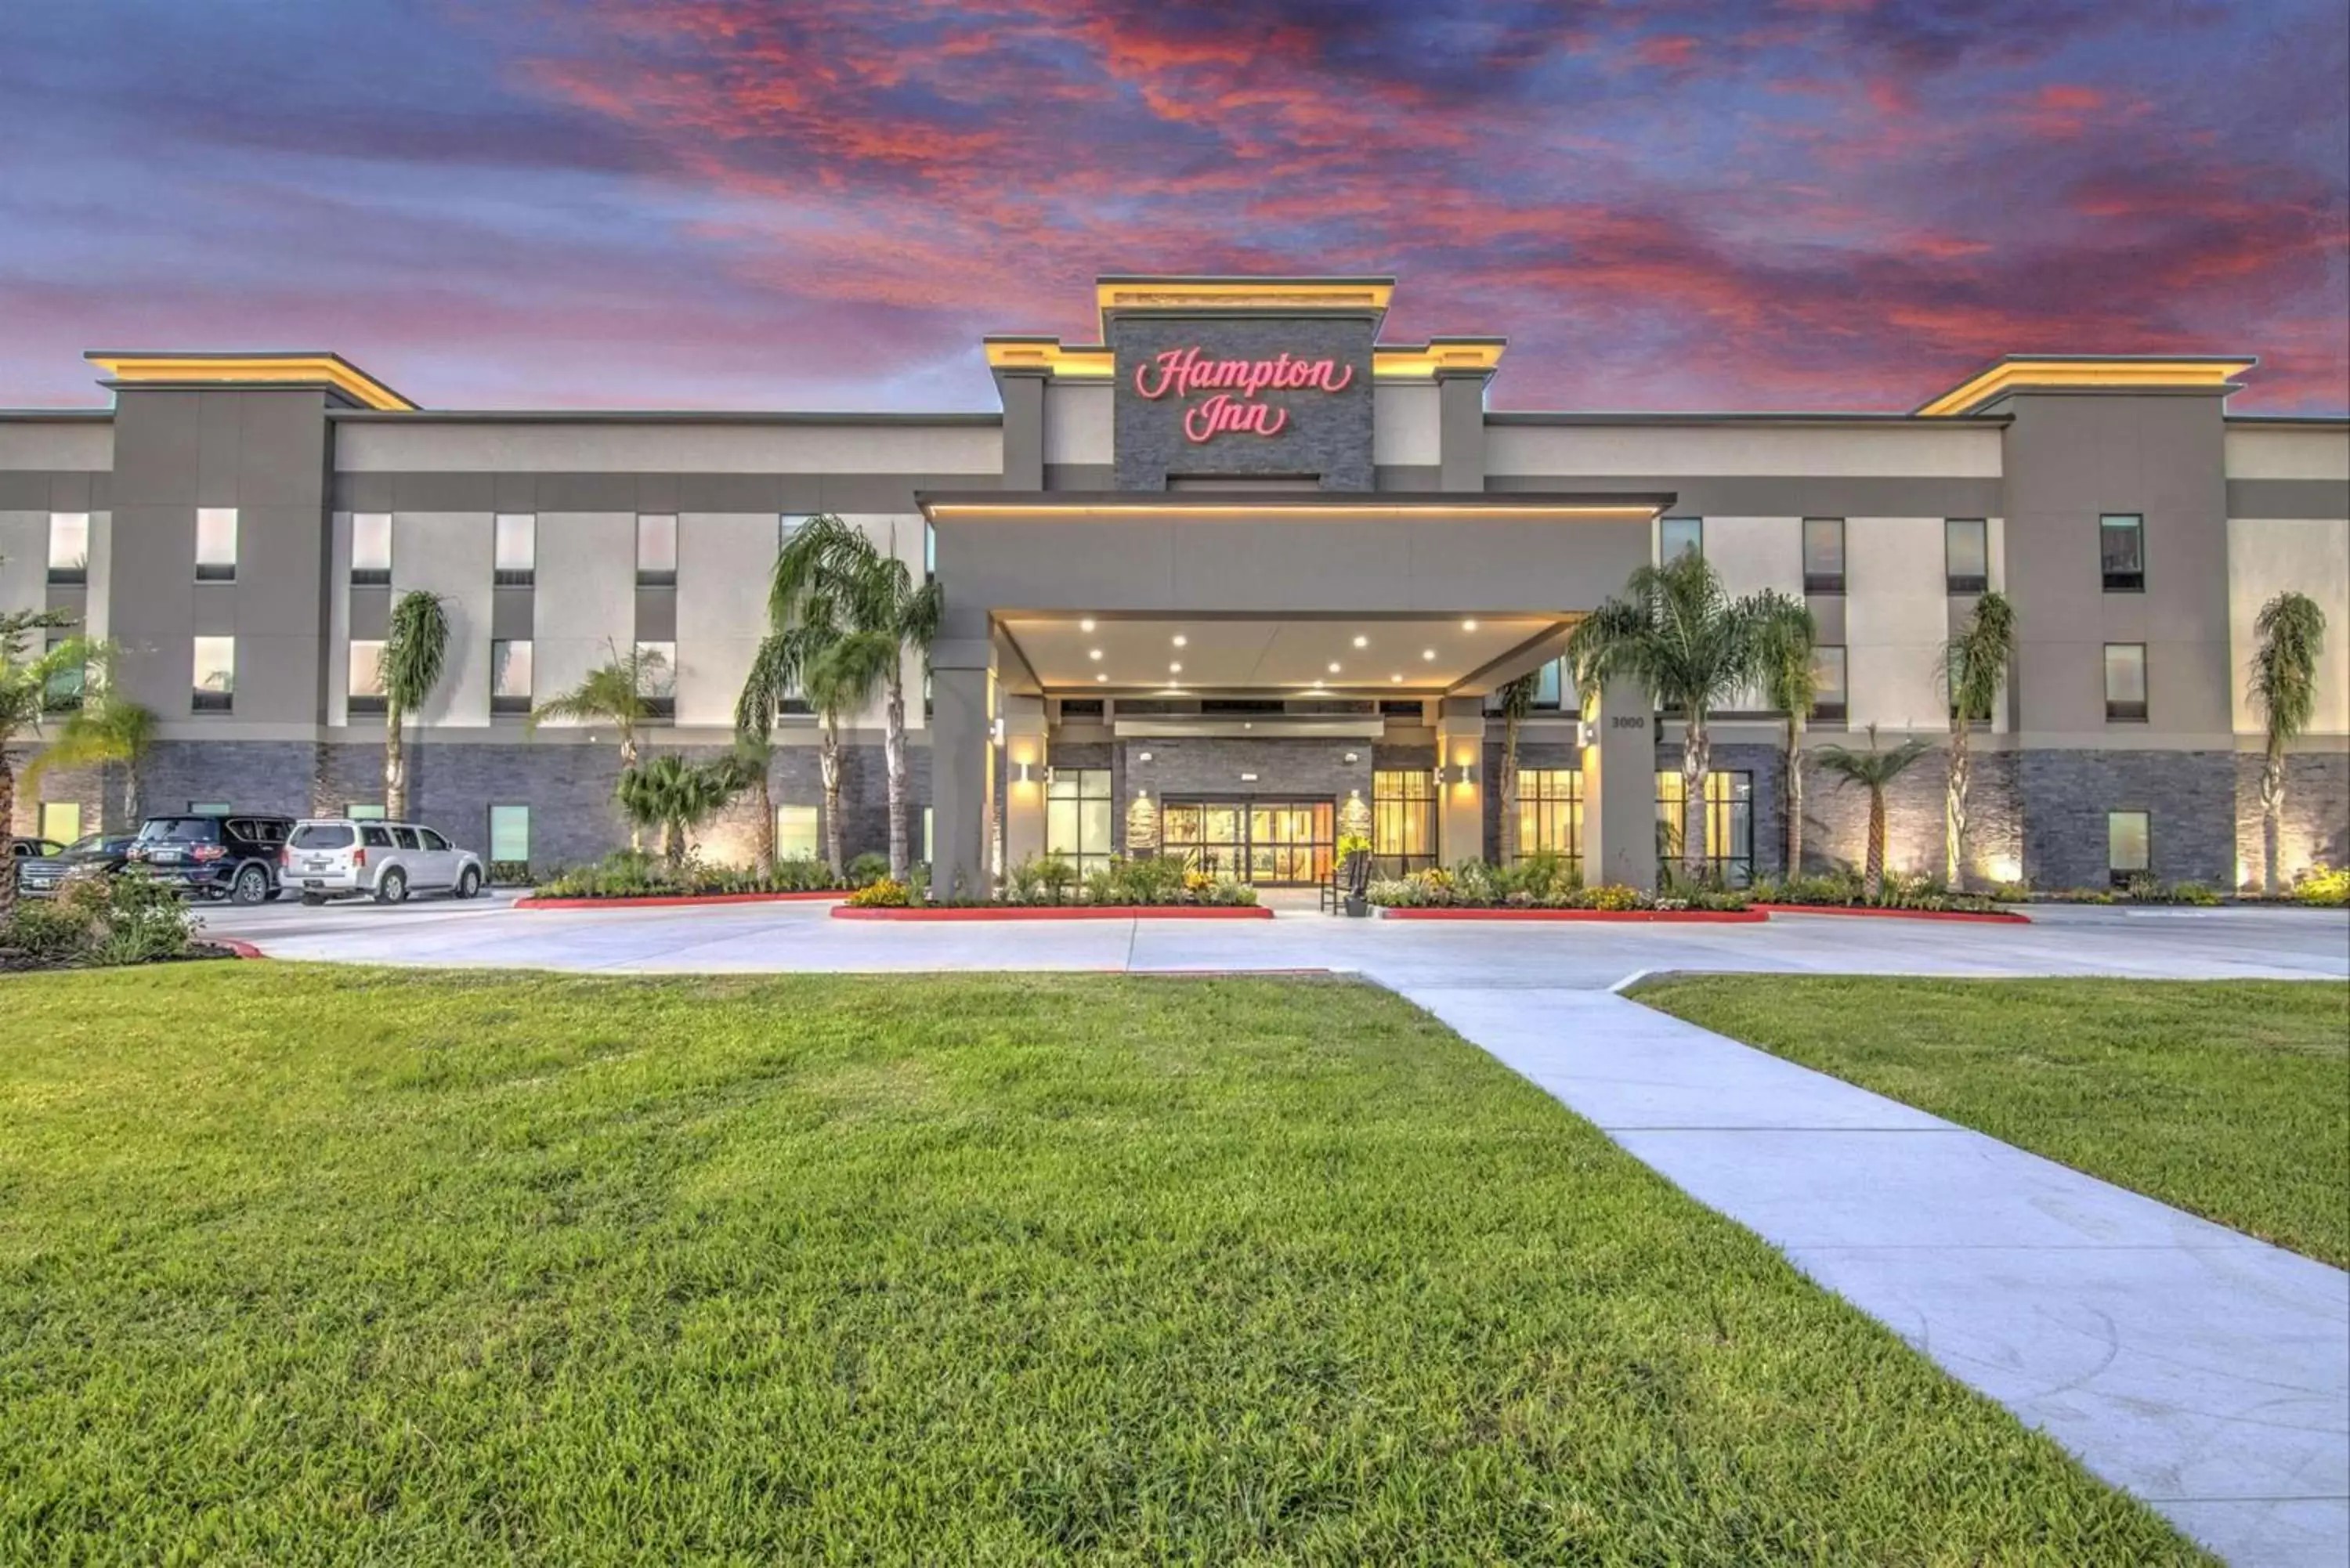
(232, 857)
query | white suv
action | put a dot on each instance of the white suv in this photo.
(339, 857)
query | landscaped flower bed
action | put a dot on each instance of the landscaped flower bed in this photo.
(1899, 898)
(850, 911)
(630, 879)
(1049, 889)
(102, 921)
(1652, 913)
(1542, 887)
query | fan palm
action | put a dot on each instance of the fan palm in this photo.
(676, 796)
(794, 659)
(1872, 770)
(2284, 686)
(884, 616)
(1974, 667)
(27, 680)
(617, 692)
(107, 729)
(415, 652)
(1790, 678)
(1691, 646)
(1517, 701)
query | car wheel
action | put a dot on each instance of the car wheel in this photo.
(312, 901)
(469, 882)
(392, 887)
(251, 887)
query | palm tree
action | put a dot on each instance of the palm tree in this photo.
(108, 728)
(884, 614)
(1790, 678)
(1517, 702)
(2284, 686)
(1974, 667)
(795, 659)
(1693, 649)
(675, 796)
(1872, 770)
(415, 651)
(615, 692)
(26, 679)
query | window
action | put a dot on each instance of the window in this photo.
(656, 550)
(371, 548)
(2129, 845)
(2126, 683)
(60, 821)
(216, 675)
(374, 837)
(1729, 823)
(363, 811)
(1403, 819)
(322, 835)
(929, 548)
(1080, 707)
(657, 667)
(1550, 690)
(510, 685)
(796, 829)
(1549, 813)
(216, 544)
(433, 842)
(1078, 817)
(406, 839)
(1680, 536)
(196, 808)
(1823, 554)
(365, 688)
(514, 550)
(63, 692)
(927, 854)
(1966, 556)
(69, 546)
(2121, 550)
(1829, 699)
(509, 838)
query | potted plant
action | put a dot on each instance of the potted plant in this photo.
(1353, 874)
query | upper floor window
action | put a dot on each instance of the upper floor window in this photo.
(69, 546)
(510, 676)
(1829, 701)
(216, 544)
(370, 547)
(1823, 554)
(2121, 551)
(656, 550)
(657, 669)
(514, 550)
(364, 693)
(216, 675)
(1966, 556)
(64, 687)
(1549, 690)
(1680, 536)
(2125, 682)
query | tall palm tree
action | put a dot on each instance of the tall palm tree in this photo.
(1691, 646)
(26, 679)
(415, 652)
(1790, 678)
(885, 615)
(1517, 702)
(2284, 686)
(794, 659)
(1872, 770)
(105, 728)
(1974, 667)
(677, 797)
(617, 692)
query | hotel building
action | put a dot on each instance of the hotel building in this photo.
(1237, 576)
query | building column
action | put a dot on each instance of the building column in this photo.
(1024, 777)
(1620, 788)
(963, 766)
(1461, 780)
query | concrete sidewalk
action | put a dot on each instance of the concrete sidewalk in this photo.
(2204, 1371)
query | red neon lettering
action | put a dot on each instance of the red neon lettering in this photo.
(1185, 371)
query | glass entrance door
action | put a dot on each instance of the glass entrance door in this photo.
(1270, 842)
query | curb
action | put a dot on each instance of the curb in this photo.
(679, 901)
(1986, 917)
(243, 950)
(1651, 917)
(1061, 913)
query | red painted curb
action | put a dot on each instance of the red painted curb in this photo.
(1694, 917)
(1991, 917)
(1061, 913)
(679, 900)
(241, 949)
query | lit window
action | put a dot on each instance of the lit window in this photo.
(514, 550)
(1679, 536)
(1549, 813)
(1078, 817)
(363, 810)
(510, 688)
(1823, 554)
(216, 544)
(370, 547)
(60, 821)
(2125, 682)
(69, 546)
(1829, 701)
(927, 854)
(1728, 822)
(2129, 845)
(796, 830)
(656, 550)
(1403, 819)
(215, 674)
(1966, 554)
(510, 835)
(365, 689)
(2121, 552)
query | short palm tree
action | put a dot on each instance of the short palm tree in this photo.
(2284, 687)
(676, 796)
(1517, 701)
(617, 692)
(1974, 667)
(26, 683)
(1691, 646)
(415, 652)
(884, 616)
(1790, 678)
(107, 729)
(1872, 770)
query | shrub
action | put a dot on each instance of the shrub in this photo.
(1022, 884)
(1057, 875)
(867, 869)
(2324, 888)
(125, 918)
(881, 893)
(630, 873)
(46, 931)
(1613, 896)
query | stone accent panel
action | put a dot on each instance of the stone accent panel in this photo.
(2190, 796)
(2316, 819)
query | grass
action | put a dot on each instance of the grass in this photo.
(318, 1264)
(2228, 1098)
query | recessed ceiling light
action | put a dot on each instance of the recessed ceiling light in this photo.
(1087, 624)
(1093, 653)
(1175, 670)
(1334, 667)
(1468, 626)
(1362, 641)
(1183, 641)
(1428, 653)
(1398, 680)
(1101, 677)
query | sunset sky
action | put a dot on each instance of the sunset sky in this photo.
(1664, 205)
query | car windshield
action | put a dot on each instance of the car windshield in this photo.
(322, 835)
(89, 844)
(180, 830)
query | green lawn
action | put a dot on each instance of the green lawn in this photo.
(302, 1264)
(2230, 1098)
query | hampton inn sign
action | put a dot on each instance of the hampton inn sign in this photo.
(1232, 385)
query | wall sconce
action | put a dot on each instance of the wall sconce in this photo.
(1142, 756)
(1248, 778)
(1351, 757)
(1024, 773)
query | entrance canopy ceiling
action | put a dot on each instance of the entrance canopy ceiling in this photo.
(1365, 655)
